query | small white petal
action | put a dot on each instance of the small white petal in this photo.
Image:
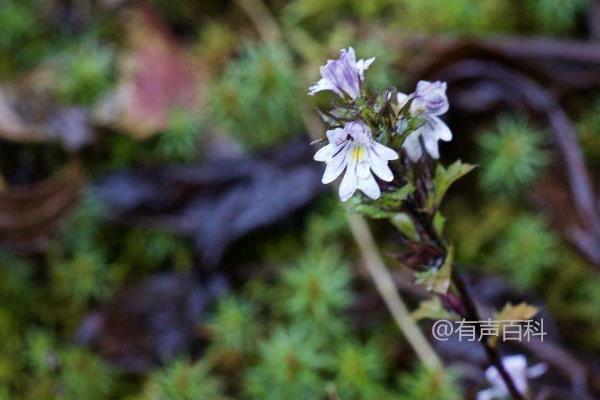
(349, 183)
(443, 132)
(363, 169)
(335, 166)
(516, 366)
(490, 394)
(413, 146)
(433, 130)
(431, 142)
(369, 187)
(384, 152)
(537, 370)
(363, 65)
(322, 84)
(381, 169)
(324, 153)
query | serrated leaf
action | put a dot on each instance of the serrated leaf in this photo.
(383, 208)
(405, 225)
(519, 312)
(443, 179)
(437, 280)
(432, 309)
(393, 200)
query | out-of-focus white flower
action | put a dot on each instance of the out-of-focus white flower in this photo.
(429, 101)
(516, 366)
(354, 149)
(343, 76)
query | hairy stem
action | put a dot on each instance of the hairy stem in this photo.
(471, 313)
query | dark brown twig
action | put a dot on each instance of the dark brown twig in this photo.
(492, 353)
(424, 222)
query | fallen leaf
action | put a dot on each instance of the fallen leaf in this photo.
(157, 78)
(152, 322)
(30, 213)
(217, 202)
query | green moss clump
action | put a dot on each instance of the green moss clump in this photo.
(257, 100)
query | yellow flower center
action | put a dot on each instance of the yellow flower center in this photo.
(358, 153)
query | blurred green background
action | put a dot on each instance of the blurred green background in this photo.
(131, 131)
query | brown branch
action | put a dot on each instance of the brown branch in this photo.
(492, 353)
(525, 48)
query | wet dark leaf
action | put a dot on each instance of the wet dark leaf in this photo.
(217, 202)
(151, 322)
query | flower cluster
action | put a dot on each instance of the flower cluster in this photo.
(367, 134)
(352, 146)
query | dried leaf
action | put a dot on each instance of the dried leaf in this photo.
(157, 79)
(217, 202)
(521, 311)
(30, 213)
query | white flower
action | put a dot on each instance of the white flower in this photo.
(516, 366)
(354, 149)
(429, 101)
(343, 76)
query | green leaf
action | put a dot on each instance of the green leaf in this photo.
(439, 221)
(385, 207)
(395, 198)
(432, 309)
(406, 225)
(372, 211)
(444, 178)
(437, 280)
